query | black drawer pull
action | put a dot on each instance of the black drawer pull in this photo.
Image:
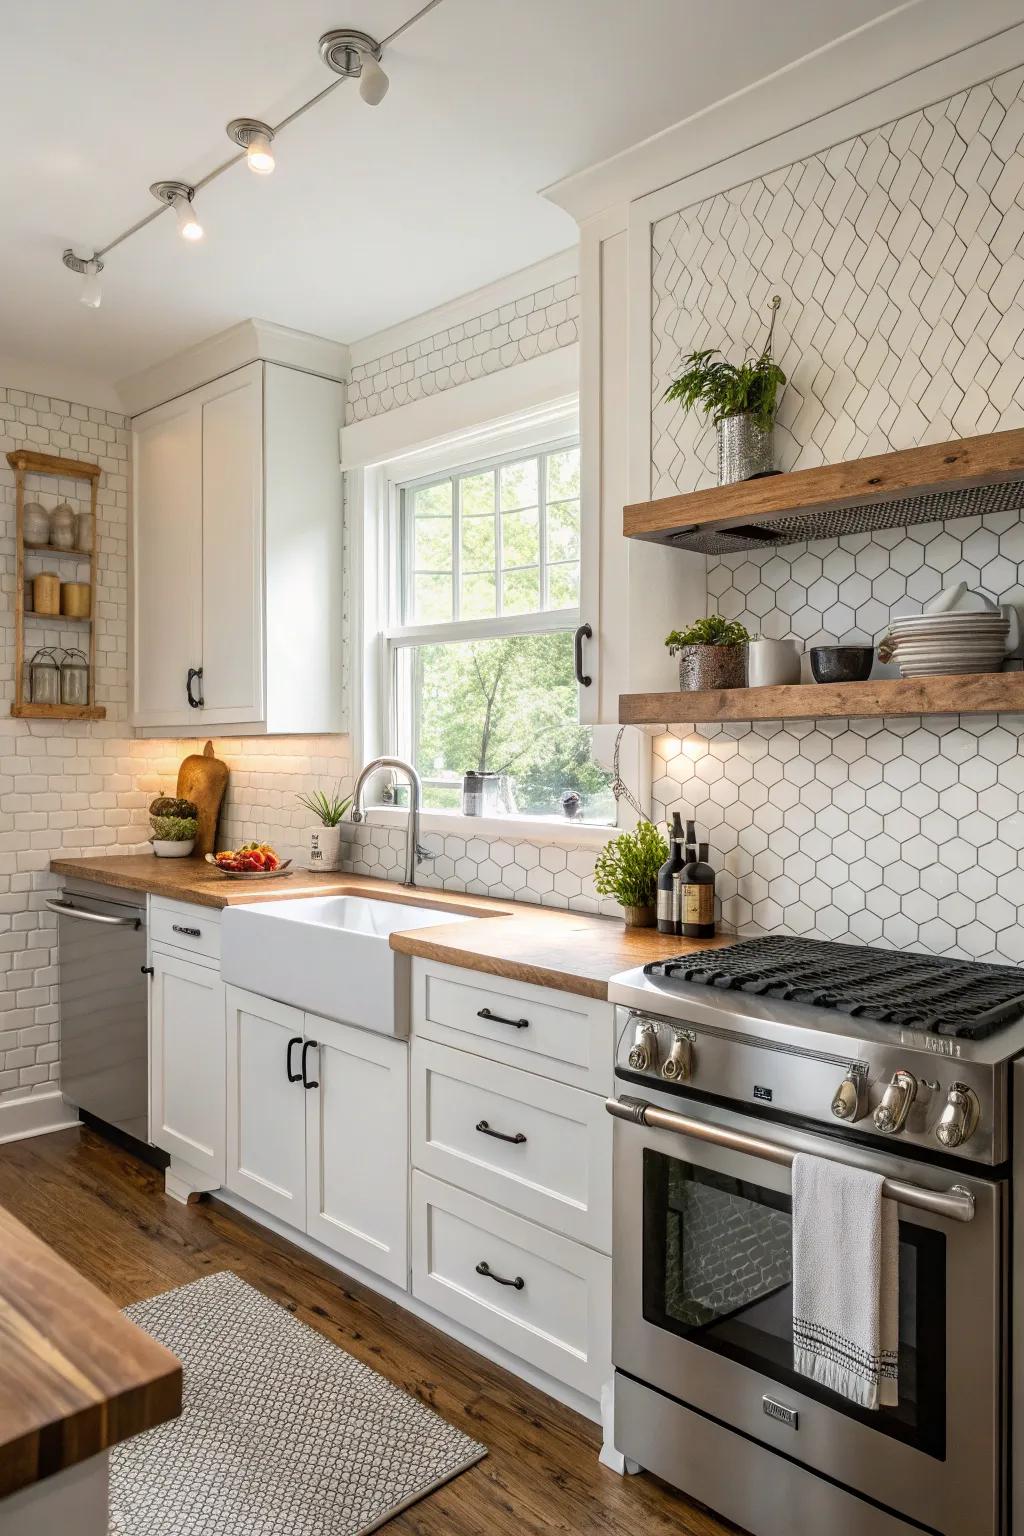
(496, 1018)
(483, 1268)
(293, 1077)
(147, 970)
(308, 1082)
(190, 933)
(518, 1139)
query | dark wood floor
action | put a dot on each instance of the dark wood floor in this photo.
(105, 1212)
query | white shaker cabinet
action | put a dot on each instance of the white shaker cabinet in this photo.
(237, 553)
(266, 1108)
(186, 1023)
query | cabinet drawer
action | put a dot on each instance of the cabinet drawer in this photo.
(195, 929)
(557, 1167)
(556, 1315)
(556, 1034)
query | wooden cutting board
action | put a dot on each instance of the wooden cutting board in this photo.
(203, 778)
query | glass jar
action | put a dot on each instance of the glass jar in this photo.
(85, 531)
(44, 678)
(62, 527)
(74, 679)
(35, 525)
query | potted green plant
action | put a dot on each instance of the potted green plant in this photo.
(174, 824)
(741, 399)
(712, 653)
(324, 850)
(627, 868)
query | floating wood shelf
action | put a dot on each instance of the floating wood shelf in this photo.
(984, 693)
(965, 478)
(58, 711)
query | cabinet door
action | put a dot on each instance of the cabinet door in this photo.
(186, 1062)
(167, 554)
(357, 1146)
(266, 1151)
(232, 582)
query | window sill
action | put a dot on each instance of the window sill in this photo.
(510, 829)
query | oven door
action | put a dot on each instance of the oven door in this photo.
(703, 1312)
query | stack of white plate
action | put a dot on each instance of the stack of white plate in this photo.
(927, 644)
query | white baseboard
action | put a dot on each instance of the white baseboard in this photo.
(34, 1115)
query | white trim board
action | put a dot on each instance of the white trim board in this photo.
(917, 53)
(34, 1115)
(504, 290)
(544, 381)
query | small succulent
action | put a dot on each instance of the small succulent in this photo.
(328, 809)
(710, 631)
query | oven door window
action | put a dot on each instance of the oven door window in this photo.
(718, 1268)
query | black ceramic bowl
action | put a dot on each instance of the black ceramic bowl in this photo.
(841, 663)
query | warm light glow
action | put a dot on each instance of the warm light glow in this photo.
(189, 227)
(260, 155)
(90, 295)
(373, 82)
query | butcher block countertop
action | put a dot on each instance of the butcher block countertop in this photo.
(565, 950)
(76, 1377)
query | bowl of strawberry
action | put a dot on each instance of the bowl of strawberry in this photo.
(253, 861)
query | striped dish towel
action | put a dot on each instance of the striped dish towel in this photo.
(845, 1281)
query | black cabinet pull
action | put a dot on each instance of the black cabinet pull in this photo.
(583, 633)
(518, 1139)
(293, 1077)
(483, 1268)
(496, 1018)
(195, 675)
(147, 970)
(190, 933)
(309, 1045)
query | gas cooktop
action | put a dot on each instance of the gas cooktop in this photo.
(964, 999)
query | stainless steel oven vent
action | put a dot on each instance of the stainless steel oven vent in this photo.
(861, 517)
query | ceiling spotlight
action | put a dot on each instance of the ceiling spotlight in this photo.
(256, 139)
(89, 268)
(355, 55)
(181, 197)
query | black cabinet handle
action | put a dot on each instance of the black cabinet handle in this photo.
(309, 1045)
(496, 1018)
(191, 933)
(583, 633)
(195, 675)
(147, 970)
(517, 1140)
(483, 1268)
(293, 1077)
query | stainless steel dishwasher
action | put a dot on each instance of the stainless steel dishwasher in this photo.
(101, 952)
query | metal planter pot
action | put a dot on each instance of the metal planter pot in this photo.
(703, 668)
(745, 450)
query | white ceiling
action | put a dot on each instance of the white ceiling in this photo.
(373, 215)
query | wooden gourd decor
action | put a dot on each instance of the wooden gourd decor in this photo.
(203, 778)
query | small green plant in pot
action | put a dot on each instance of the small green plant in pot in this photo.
(174, 824)
(324, 850)
(627, 868)
(741, 399)
(712, 653)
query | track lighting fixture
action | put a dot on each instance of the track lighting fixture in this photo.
(181, 197)
(355, 55)
(256, 139)
(89, 268)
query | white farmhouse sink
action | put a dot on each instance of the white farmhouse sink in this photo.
(328, 954)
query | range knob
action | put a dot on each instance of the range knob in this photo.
(891, 1114)
(643, 1054)
(678, 1064)
(847, 1102)
(959, 1119)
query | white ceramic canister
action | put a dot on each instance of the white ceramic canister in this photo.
(772, 662)
(324, 850)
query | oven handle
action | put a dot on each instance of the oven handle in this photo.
(957, 1204)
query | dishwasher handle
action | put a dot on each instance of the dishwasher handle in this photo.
(68, 909)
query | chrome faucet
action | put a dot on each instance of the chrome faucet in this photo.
(414, 854)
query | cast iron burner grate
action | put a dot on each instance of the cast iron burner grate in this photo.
(964, 998)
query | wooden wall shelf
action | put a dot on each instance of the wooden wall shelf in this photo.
(964, 478)
(985, 693)
(58, 711)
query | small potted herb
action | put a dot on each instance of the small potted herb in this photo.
(175, 823)
(627, 868)
(712, 653)
(325, 838)
(741, 399)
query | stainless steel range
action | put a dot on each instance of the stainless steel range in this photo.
(729, 1062)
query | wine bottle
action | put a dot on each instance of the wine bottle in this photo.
(697, 879)
(667, 919)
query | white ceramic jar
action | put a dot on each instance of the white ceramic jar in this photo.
(324, 848)
(772, 662)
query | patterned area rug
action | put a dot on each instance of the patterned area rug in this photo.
(282, 1432)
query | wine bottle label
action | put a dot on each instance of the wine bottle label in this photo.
(698, 904)
(664, 910)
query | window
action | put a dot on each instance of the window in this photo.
(484, 604)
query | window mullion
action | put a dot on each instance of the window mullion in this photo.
(542, 527)
(456, 485)
(499, 550)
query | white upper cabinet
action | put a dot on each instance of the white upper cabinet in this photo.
(238, 556)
